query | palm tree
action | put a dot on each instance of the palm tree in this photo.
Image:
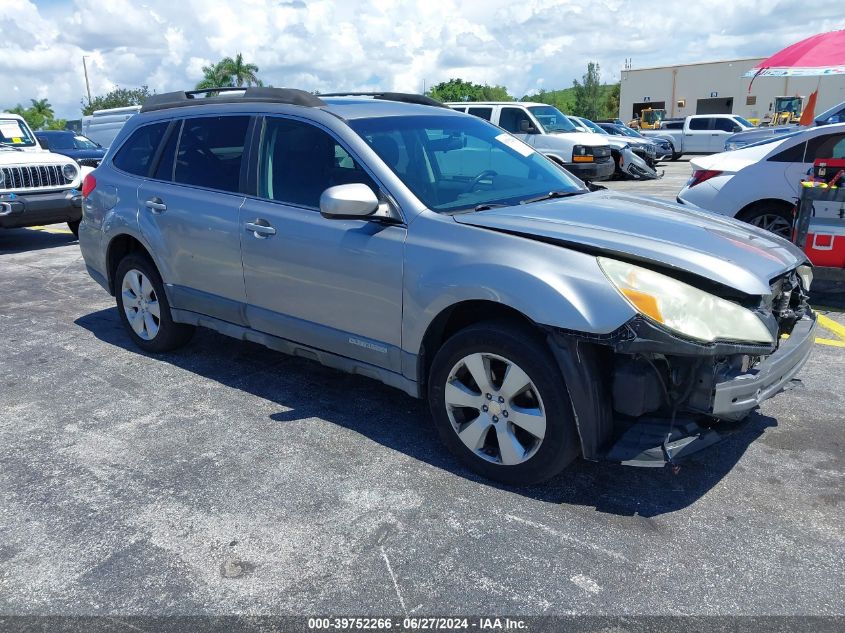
(241, 72)
(42, 108)
(215, 76)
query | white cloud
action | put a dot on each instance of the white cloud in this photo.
(331, 45)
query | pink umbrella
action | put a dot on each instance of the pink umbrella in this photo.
(822, 54)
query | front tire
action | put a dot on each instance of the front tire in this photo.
(143, 307)
(74, 227)
(500, 404)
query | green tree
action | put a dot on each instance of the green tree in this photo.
(611, 102)
(229, 72)
(460, 90)
(117, 98)
(42, 108)
(588, 93)
(32, 118)
(55, 124)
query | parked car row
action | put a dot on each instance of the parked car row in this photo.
(392, 237)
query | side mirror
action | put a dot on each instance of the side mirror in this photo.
(526, 127)
(354, 201)
(737, 128)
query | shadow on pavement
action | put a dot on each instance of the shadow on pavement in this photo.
(305, 389)
(21, 240)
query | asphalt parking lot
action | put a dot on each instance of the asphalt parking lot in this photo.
(227, 478)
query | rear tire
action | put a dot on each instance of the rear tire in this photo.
(500, 404)
(773, 215)
(144, 309)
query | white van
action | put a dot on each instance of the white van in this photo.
(102, 126)
(550, 132)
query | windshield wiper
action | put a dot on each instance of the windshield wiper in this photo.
(489, 205)
(17, 149)
(551, 195)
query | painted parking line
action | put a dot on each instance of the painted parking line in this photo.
(838, 330)
(50, 229)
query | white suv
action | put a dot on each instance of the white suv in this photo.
(36, 185)
(550, 132)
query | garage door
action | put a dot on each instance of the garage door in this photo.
(719, 105)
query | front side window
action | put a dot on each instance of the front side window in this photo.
(458, 163)
(210, 152)
(298, 161)
(16, 133)
(725, 125)
(514, 119)
(552, 119)
(136, 154)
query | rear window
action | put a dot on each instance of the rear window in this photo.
(481, 113)
(136, 155)
(14, 132)
(699, 124)
(210, 152)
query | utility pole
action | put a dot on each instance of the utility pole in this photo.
(87, 85)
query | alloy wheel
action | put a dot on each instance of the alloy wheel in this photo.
(140, 303)
(495, 409)
(773, 222)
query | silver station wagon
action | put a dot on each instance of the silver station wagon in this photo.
(392, 237)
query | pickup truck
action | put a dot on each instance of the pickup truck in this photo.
(549, 131)
(36, 185)
(701, 133)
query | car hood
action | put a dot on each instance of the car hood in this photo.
(11, 157)
(711, 246)
(587, 139)
(83, 153)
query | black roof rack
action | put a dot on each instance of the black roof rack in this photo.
(404, 97)
(259, 94)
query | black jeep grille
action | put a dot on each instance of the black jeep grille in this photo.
(33, 177)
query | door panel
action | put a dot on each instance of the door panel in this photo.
(331, 284)
(188, 211)
(198, 233)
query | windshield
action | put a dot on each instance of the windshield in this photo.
(653, 116)
(16, 133)
(592, 126)
(456, 163)
(552, 119)
(744, 122)
(626, 131)
(70, 141)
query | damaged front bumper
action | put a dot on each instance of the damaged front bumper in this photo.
(667, 397)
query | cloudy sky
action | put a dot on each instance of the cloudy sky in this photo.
(332, 45)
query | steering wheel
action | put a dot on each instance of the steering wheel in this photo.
(487, 173)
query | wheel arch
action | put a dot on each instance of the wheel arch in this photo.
(120, 246)
(751, 206)
(459, 316)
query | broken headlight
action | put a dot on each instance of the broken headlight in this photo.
(684, 308)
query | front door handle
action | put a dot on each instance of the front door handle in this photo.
(155, 205)
(260, 228)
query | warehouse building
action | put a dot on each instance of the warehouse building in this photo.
(719, 88)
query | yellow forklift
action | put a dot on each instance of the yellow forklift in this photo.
(650, 119)
(785, 111)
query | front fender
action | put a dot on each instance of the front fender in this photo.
(448, 263)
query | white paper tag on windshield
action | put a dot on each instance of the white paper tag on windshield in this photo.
(515, 144)
(11, 129)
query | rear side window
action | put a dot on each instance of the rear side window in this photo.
(481, 113)
(136, 155)
(673, 125)
(794, 154)
(699, 124)
(210, 152)
(298, 161)
(826, 146)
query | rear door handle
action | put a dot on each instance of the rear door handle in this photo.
(155, 205)
(260, 228)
